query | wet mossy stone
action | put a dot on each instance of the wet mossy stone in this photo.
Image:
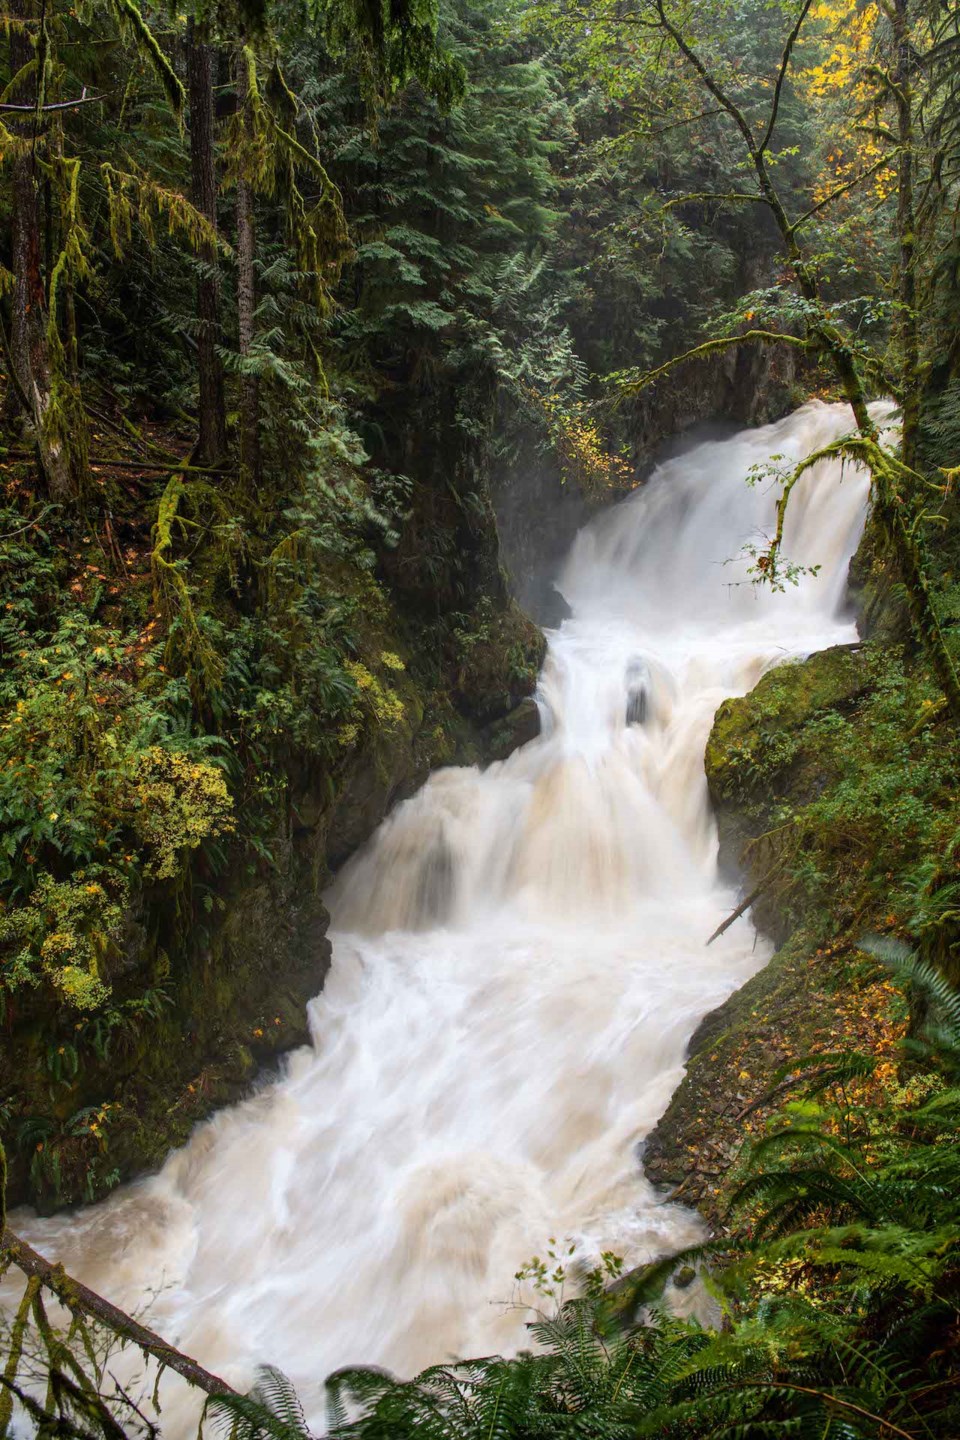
(758, 758)
(517, 728)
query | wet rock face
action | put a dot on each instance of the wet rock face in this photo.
(539, 510)
(549, 608)
(758, 760)
(515, 729)
(638, 682)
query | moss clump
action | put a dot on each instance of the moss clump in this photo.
(62, 937)
(759, 737)
(179, 803)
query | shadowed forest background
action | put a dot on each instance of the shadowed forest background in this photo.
(324, 328)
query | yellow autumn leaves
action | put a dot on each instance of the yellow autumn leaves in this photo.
(841, 35)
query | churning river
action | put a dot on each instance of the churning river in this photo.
(519, 962)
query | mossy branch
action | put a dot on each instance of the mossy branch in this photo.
(732, 197)
(18, 1332)
(827, 452)
(901, 525)
(204, 667)
(711, 347)
(130, 20)
(129, 193)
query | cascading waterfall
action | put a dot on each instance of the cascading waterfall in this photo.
(519, 962)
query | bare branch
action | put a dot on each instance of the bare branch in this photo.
(687, 120)
(714, 87)
(841, 190)
(83, 99)
(782, 75)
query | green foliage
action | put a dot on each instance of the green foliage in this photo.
(388, 43)
(102, 782)
(63, 936)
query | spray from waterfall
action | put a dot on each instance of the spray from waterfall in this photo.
(519, 962)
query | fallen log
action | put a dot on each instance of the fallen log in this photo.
(80, 1300)
(743, 906)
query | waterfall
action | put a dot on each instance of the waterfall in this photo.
(519, 962)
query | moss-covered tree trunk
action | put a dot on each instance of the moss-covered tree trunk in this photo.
(30, 350)
(212, 406)
(246, 307)
(908, 336)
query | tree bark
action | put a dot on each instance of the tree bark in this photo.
(213, 426)
(30, 351)
(80, 1300)
(907, 326)
(246, 307)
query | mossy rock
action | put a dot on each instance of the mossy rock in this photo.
(498, 658)
(517, 728)
(879, 599)
(752, 739)
(773, 759)
(758, 759)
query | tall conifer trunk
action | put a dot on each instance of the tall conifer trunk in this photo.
(29, 346)
(907, 324)
(247, 305)
(213, 430)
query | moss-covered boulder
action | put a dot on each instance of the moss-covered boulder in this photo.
(765, 758)
(809, 999)
(833, 792)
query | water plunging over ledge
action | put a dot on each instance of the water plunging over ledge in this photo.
(519, 962)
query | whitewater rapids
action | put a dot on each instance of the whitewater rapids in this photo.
(519, 962)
